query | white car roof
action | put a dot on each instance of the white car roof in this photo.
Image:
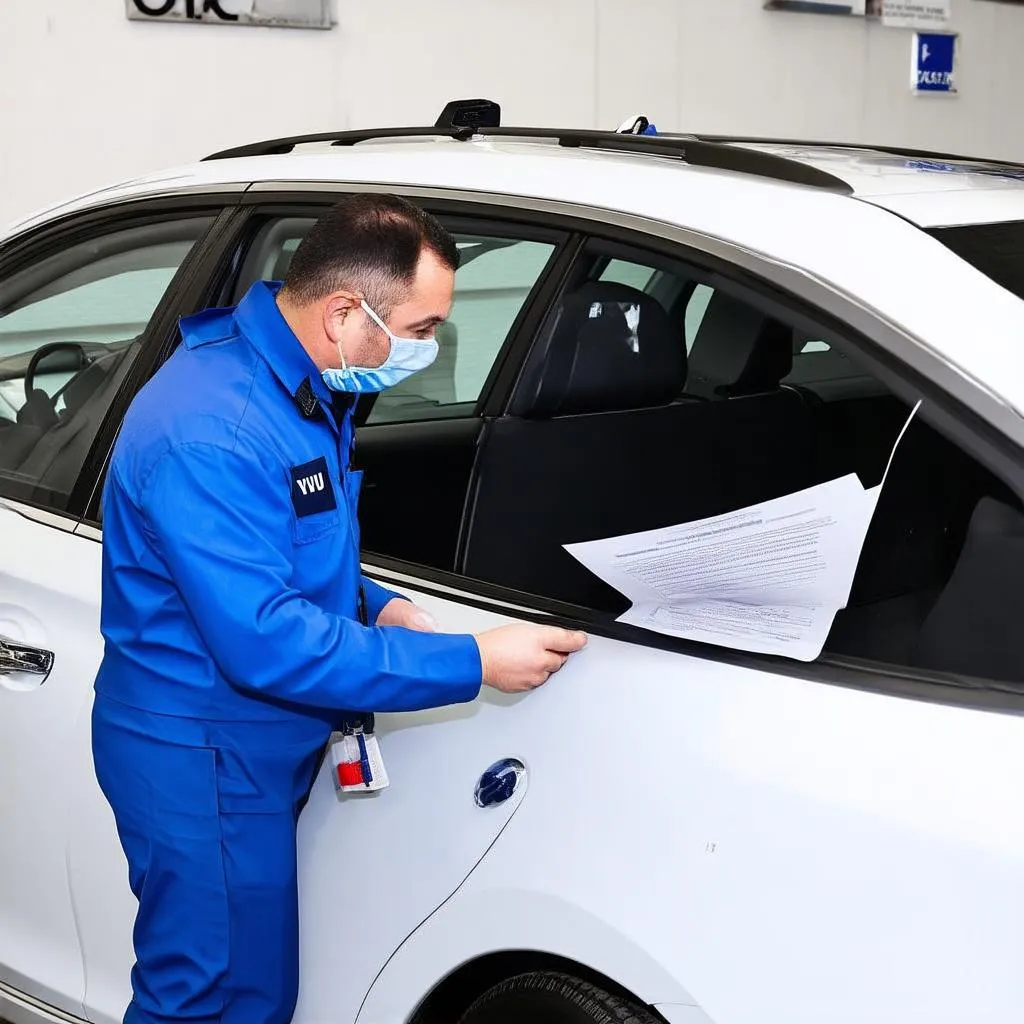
(930, 190)
(848, 238)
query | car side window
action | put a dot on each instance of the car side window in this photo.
(635, 275)
(614, 429)
(816, 362)
(695, 310)
(71, 325)
(494, 279)
(711, 322)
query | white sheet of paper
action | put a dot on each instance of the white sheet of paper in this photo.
(769, 578)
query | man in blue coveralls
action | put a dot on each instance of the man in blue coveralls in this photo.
(238, 628)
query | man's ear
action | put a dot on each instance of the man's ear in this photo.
(337, 307)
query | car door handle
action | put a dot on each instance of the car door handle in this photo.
(15, 657)
(499, 782)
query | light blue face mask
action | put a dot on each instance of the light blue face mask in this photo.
(407, 356)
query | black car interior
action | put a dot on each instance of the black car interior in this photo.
(614, 427)
(613, 430)
(48, 439)
(73, 320)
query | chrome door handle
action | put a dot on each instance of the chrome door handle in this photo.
(19, 658)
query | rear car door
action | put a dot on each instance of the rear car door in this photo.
(770, 821)
(78, 303)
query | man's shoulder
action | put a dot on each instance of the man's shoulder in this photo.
(212, 391)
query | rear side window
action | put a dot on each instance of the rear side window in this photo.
(815, 362)
(997, 250)
(617, 429)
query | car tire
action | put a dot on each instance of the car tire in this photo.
(547, 997)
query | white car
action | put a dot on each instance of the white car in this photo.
(669, 830)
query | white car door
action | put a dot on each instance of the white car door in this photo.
(418, 850)
(49, 584)
(74, 304)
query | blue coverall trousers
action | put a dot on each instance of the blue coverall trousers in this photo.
(206, 814)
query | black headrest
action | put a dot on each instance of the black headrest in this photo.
(37, 410)
(609, 347)
(769, 363)
(974, 628)
(739, 350)
(84, 383)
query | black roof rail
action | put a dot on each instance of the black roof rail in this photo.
(698, 152)
(272, 147)
(903, 151)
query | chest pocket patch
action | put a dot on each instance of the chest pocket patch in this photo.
(312, 491)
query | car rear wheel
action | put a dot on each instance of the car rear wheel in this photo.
(546, 997)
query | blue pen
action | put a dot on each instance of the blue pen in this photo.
(364, 760)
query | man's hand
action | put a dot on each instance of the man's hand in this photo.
(399, 612)
(522, 657)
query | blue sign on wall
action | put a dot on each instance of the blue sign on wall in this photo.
(932, 69)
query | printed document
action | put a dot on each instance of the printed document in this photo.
(769, 578)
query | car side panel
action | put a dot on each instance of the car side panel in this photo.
(373, 868)
(770, 849)
(49, 589)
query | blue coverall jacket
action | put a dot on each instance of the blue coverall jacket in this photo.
(233, 642)
(231, 546)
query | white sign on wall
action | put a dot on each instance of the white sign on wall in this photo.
(915, 13)
(268, 13)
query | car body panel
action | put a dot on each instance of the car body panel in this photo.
(958, 208)
(877, 173)
(772, 850)
(730, 842)
(679, 1013)
(49, 599)
(17, 1008)
(857, 248)
(418, 840)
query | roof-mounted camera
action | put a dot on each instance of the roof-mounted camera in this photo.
(463, 118)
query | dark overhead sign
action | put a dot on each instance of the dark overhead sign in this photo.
(267, 13)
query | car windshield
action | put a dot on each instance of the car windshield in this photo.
(997, 250)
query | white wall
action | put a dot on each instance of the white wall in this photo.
(88, 97)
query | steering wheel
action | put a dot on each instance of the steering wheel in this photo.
(41, 353)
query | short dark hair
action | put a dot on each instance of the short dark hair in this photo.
(370, 243)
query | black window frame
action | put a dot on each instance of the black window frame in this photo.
(44, 240)
(471, 217)
(949, 415)
(212, 280)
(944, 412)
(985, 247)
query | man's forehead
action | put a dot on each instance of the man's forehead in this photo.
(431, 289)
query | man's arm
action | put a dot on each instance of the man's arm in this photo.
(377, 598)
(220, 517)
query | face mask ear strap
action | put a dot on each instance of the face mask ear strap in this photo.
(341, 352)
(373, 316)
(376, 319)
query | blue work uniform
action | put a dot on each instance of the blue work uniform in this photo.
(233, 611)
